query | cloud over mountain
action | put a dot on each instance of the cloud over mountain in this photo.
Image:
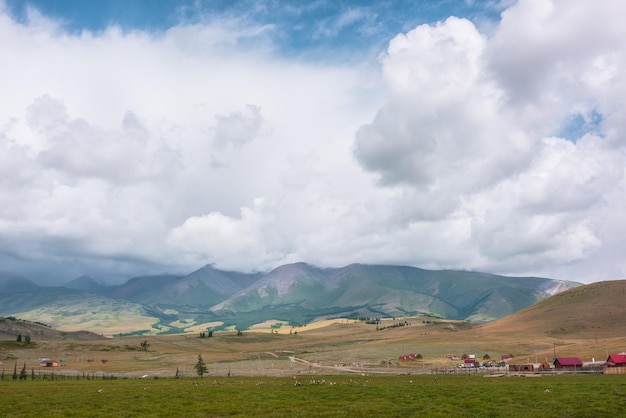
(496, 146)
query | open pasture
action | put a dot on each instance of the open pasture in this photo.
(336, 396)
(351, 343)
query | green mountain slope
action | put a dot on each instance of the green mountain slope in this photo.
(296, 293)
(391, 291)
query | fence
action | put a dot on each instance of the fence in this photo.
(468, 370)
(17, 375)
(615, 370)
(505, 370)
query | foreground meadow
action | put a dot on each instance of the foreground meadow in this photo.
(332, 396)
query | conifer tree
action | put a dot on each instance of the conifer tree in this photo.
(200, 366)
(23, 374)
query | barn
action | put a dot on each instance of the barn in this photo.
(567, 363)
(615, 364)
(616, 360)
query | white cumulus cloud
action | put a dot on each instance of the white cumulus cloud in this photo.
(131, 152)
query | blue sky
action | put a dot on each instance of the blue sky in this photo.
(297, 26)
(143, 137)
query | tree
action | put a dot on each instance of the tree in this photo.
(27, 339)
(19, 338)
(200, 366)
(145, 345)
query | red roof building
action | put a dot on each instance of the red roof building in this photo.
(568, 363)
(618, 360)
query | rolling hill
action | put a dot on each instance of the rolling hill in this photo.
(11, 327)
(594, 311)
(71, 309)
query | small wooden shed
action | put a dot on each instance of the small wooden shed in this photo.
(568, 363)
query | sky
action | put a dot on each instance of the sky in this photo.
(158, 136)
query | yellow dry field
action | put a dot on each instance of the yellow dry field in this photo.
(198, 328)
(107, 326)
(282, 327)
(335, 346)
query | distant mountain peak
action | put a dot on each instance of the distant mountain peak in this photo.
(11, 283)
(88, 284)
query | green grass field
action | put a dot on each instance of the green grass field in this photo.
(315, 396)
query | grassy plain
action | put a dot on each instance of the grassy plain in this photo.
(344, 346)
(321, 396)
(256, 373)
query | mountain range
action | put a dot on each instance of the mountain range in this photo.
(294, 294)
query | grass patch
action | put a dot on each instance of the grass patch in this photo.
(14, 345)
(329, 396)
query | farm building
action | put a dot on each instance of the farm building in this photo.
(567, 363)
(521, 367)
(542, 366)
(616, 360)
(616, 364)
(411, 356)
(530, 367)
